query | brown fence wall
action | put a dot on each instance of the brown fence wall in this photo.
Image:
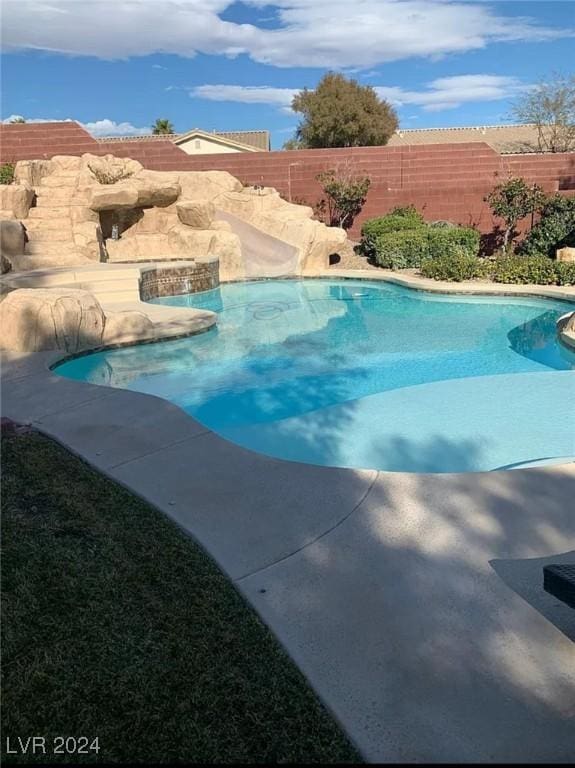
(444, 181)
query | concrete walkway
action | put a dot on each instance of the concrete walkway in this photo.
(413, 603)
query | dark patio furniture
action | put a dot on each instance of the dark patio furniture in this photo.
(559, 581)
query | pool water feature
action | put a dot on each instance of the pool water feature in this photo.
(354, 373)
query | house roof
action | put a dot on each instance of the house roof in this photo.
(506, 139)
(237, 139)
(258, 139)
(249, 141)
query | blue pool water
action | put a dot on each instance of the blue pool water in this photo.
(363, 374)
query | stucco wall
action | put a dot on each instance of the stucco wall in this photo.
(201, 146)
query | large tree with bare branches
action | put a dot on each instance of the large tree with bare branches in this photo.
(550, 105)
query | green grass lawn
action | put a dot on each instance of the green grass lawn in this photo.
(116, 625)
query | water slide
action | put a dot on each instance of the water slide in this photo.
(263, 255)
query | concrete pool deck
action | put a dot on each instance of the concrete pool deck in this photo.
(412, 603)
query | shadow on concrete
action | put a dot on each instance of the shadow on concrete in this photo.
(407, 618)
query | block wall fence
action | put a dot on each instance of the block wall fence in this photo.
(444, 181)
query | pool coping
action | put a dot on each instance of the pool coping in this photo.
(465, 287)
(270, 523)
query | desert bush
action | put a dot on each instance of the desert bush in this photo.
(454, 266)
(555, 229)
(7, 171)
(346, 193)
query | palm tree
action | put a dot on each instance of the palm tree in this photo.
(162, 126)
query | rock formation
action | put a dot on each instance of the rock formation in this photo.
(36, 319)
(566, 254)
(12, 238)
(15, 200)
(82, 209)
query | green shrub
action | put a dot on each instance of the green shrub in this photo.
(399, 219)
(555, 229)
(524, 269)
(454, 266)
(401, 249)
(7, 173)
(384, 224)
(565, 272)
(450, 240)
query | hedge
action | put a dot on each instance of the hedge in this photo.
(397, 220)
(400, 250)
(445, 240)
(532, 269)
(410, 247)
(537, 270)
(455, 266)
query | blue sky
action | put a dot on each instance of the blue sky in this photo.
(116, 65)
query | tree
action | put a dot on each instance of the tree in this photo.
(17, 119)
(346, 193)
(551, 107)
(162, 126)
(513, 201)
(343, 113)
(292, 143)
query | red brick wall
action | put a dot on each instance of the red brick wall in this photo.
(29, 141)
(444, 181)
(34, 141)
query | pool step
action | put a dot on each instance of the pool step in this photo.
(110, 291)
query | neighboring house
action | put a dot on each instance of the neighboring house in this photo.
(505, 139)
(198, 142)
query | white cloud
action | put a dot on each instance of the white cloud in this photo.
(440, 94)
(97, 128)
(247, 94)
(34, 119)
(111, 128)
(322, 33)
(451, 92)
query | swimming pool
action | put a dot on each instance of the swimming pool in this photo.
(364, 374)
